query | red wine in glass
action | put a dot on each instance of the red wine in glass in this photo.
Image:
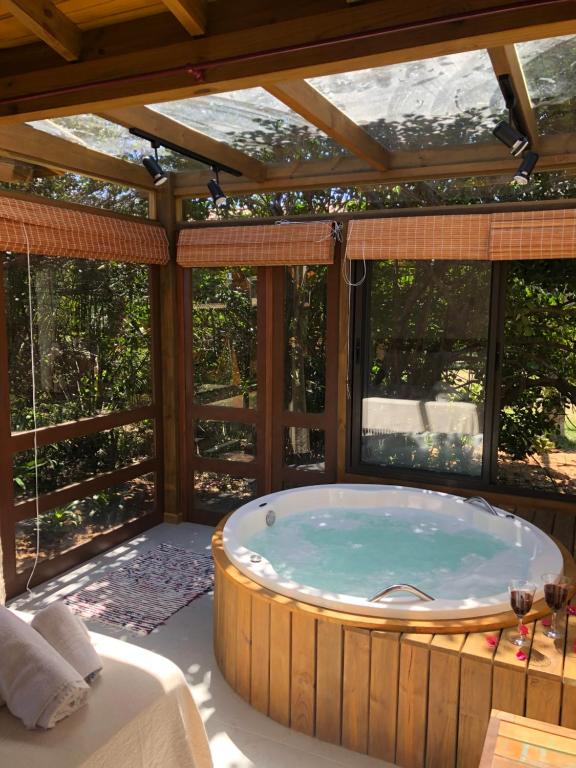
(556, 594)
(521, 599)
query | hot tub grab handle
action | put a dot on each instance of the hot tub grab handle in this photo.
(401, 588)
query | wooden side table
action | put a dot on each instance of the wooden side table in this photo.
(512, 740)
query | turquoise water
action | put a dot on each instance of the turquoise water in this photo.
(358, 552)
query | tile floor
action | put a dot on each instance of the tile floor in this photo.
(239, 736)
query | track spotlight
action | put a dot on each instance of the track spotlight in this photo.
(512, 138)
(216, 191)
(522, 175)
(154, 168)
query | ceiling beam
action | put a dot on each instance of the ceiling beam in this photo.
(48, 23)
(190, 13)
(166, 128)
(505, 61)
(33, 145)
(557, 153)
(312, 106)
(342, 39)
(17, 172)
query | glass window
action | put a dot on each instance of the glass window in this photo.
(225, 440)
(74, 524)
(254, 122)
(537, 439)
(425, 365)
(305, 332)
(549, 67)
(220, 494)
(111, 139)
(304, 448)
(92, 345)
(446, 100)
(71, 461)
(224, 321)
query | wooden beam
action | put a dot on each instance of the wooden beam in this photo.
(33, 145)
(557, 153)
(190, 13)
(505, 61)
(310, 103)
(371, 34)
(48, 23)
(165, 127)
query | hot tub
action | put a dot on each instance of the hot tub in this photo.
(338, 546)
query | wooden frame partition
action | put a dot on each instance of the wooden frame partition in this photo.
(12, 512)
(270, 418)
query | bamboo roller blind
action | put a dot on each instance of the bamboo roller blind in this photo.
(488, 237)
(54, 231)
(267, 245)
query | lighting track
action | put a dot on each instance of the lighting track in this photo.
(157, 141)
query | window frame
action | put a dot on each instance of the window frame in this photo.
(12, 512)
(487, 481)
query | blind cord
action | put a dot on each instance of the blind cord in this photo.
(34, 413)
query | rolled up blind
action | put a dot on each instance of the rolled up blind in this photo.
(468, 237)
(49, 230)
(533, 235)
(419, 237)
(267, 245)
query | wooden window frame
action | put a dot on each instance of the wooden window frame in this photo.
(12, 511)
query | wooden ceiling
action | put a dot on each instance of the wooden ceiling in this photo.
(112, 57)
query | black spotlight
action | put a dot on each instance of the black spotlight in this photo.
(522, 175)
(216, 191)
(513, 139)
(154, 168)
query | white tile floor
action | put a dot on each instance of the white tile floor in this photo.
(239, 736)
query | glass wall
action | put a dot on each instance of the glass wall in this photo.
(87, 349)
(537, 434)
(224, 323)
(424, 365)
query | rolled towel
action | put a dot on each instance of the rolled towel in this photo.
(36, 683)
(67, 634)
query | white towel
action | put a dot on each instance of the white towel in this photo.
(67, 634)
(36, 683)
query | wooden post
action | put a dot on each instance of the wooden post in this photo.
(165, 208)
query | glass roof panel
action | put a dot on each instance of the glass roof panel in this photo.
(254, 122)
(550, 70)
(101, 135)
(446, 100)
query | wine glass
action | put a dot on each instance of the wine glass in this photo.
(521, 599)
(556, 594)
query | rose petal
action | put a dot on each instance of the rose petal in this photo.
(521, 655)
(547, 622)
(492, 640)
(523, 630)
(572, 610)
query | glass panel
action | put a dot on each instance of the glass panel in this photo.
(549, 67)
(304, 448)
(537, 442)
(447, 100)
(103, 136)
(255, 122)
(91, 338)
(69, 526)
(305, 331)
(220, 494)
(224, 319)
(71, 461)
(425, 365)
(225, 440)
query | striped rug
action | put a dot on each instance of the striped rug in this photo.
(145, 592)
